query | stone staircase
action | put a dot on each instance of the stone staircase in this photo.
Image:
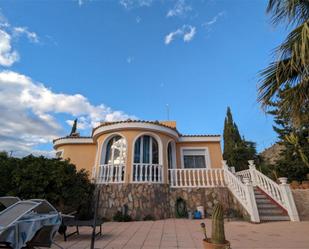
(268, 209)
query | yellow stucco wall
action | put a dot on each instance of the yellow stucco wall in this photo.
(88, 155)
(82, 155)
(214, 148)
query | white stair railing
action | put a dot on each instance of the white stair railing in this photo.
(243, 174)
(243, 192)
(111, 173)
(281, 193)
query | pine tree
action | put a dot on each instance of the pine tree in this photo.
(237, 151)
(293, 162)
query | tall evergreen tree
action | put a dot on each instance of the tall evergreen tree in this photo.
(294, 158)
(231, 135)
(237, 151)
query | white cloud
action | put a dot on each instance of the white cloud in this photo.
(130, 59)
(4, 23)
(29, 113)
(132, 4)
(190, 34)
(81, 2)
(179, 9)
(32, 37)
(138, 19)
(213, 20)
(186, 31)
(171, 36)
(8, 56)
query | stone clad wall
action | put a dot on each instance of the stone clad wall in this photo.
(207, 197)
(301, 198)
(158, 200)
(141, 199)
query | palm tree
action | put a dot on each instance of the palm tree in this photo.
(291, 68)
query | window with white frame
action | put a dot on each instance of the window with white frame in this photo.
(116, 151)
(146, 150)
(194, 158)
(59, 153)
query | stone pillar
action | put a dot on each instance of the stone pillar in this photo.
(233, 169)
(252, 170)
(224, 164)
(288, 199)
(251, 202)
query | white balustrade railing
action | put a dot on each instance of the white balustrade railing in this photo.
(200, 178)
(111, 173)
(235, 186)
(243, 174)
(280, 193)
(244, 193)
(270, 187)
(144, 172)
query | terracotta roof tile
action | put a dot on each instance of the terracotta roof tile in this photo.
(73, 137)
(136, 121)
(133, 121)
(198, 135)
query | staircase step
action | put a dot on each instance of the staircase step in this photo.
(275, 212)
(274, 218)
(266, 205)
(263, 201)
(260, 196)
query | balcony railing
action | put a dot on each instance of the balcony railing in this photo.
(144, 172)
(200, 178)
(111, 173)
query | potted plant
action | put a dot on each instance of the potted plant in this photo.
(217, 240)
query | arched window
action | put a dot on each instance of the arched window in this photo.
(116, 151)
(146, 150)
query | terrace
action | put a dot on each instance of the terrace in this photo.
(184, 233)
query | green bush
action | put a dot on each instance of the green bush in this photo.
(122, 217)
(52, 179)
(149, 217)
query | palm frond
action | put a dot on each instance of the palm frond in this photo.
(293, 85)
(292, 11)
(296, 46)
(274, 78)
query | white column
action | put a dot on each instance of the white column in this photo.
(252, 170)
(251, 202)
(288, 199)
(224, 164)
(233, 169)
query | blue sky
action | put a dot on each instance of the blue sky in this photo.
(110, 60)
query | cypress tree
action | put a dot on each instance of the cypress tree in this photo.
(237, 151)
